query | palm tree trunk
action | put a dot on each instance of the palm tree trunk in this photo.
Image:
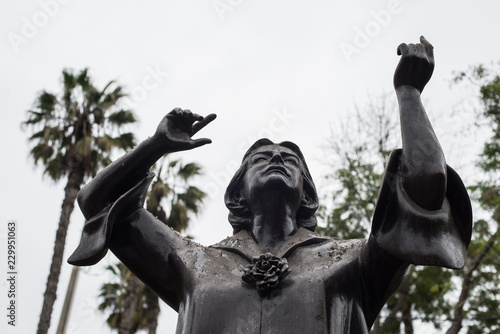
(68, 301)
(132, 294)
(75, 179)
(153, 310)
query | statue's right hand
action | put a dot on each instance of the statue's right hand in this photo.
(176, 129)
(416, 64)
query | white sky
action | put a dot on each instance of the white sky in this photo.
(267, 68)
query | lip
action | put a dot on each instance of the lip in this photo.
(278, 169)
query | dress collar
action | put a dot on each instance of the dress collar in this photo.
(244, 245)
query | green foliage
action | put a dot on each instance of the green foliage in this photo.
(429, 294)
(80, 128)
(487, 82)
(171, 190)
(113, 296)
(357, 153)
(479, 301)
(354, 200)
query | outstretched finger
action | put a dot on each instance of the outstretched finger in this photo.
(428, 48)
(203, 122)
(402, 49)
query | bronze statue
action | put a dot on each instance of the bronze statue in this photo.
(275, 275)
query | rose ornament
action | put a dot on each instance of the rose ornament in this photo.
(266, 272)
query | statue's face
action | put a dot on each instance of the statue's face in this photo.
(273, 167)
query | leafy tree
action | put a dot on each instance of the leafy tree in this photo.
(359, 149)
(73, 134)
(133, 305)
(478, 304)
(450, 300)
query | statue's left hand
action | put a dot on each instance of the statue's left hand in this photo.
(415, 66)
(175, 131)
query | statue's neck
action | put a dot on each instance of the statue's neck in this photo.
(273, 223)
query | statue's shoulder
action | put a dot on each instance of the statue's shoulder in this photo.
(339, 248)
(232, 240)
(353, 244)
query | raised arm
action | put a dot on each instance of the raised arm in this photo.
(173, 134)
(119, 190)
(423, 165)
(423, 214)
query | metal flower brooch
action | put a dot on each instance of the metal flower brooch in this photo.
(266, 272)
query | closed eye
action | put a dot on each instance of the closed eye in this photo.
(258, 159)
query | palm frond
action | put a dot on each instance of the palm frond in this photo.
(189, 170)
(34, 117)
(121, 117)
(192, 198)
(43, 153)
(79, 122)
(83, 80)
(46, 103)
(178, 219)
(69, 79)
(126, 141)
(103, 91)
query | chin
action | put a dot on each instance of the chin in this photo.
(281, 187)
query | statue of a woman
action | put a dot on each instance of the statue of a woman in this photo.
(275, 275)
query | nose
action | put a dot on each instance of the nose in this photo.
(277, 158)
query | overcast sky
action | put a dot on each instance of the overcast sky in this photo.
(287, 70)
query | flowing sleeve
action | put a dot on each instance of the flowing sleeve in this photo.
(96, 234)
(418, 236)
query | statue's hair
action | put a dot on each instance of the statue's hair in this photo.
(239, 214)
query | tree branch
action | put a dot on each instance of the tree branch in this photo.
(458, 311)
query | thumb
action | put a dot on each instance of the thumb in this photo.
(200, 142)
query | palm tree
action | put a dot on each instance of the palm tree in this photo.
(180, 197)
(73, 135)
(133, 305)
(118, 296)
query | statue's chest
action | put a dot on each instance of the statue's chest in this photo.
(222, 302)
